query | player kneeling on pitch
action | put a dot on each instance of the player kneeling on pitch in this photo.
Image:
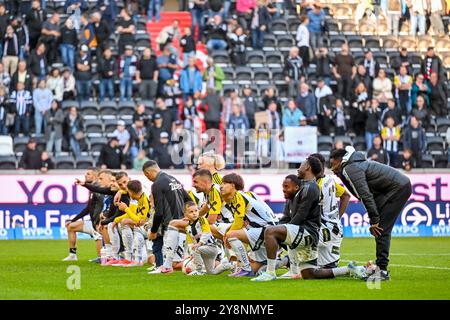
(300, 228)
(200, 240)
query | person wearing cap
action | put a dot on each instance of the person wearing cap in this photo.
(83, 74)
(191, 81)
(69, 41)
(50, 36)
(161, 153)
(155, 131)
(250, 105)
(31, 157)
(111, 156)
(123, 136)
(127, 72)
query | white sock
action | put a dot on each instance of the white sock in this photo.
(114, 237)
(138, 246)
(271, 264)
(198, 261)
(108, 247)
(170, 244)
(241, 253)
(127, 238)
(342, 271)
(293, 262)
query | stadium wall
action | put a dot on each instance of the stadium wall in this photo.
(35, 206)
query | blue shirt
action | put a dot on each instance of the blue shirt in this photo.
(315, 21)
(165, 73)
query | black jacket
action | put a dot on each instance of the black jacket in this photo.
(371, 182)
(93, 208)
(304, 209)
(34, 64)
(102, 32)
(111, 157)
(105, 66)
(34, 22)
(168, 193)
(28, 81)
(31, 159)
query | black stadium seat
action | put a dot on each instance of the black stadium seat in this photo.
(255, 58)
(325, 143)
(64, 162)
(8, 163)
(84, 162)
(96, 143)
(274, 59)
(435, 145)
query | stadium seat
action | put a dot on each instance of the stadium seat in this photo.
(274, 59)
(349, 27)
(423, 42)
(255, 58)
(229, 74)
(221, 57)
(261, 75)
(8, 162)
(345, 139)
(359, 143)
(372, 43)
(427, 161)
(285, 42)
(440, 161)
(278, 75)
(67, 104)
(442, 124)
(336, 42)
(324, 143)
(89, 108)
(408, 42)
(6, 146)
(390, 43)
(355, 43)
(435, 145)
(382, 59)
(110, 125)
(293, 24)
(96, 144)
(93, 126)
(279, 27)
(20, 144)
(126, 108)
(442, 45)
(230, 87)
(244, 75)
(64, 162)
(270, 42)
(108, 108)
(149, 104)
(84, 162)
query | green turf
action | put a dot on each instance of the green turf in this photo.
(33, 270)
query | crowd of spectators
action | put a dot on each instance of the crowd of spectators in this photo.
(46, 61)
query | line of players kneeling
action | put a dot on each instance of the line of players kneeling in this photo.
(227, 228)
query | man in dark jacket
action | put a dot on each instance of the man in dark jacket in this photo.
(414, 138)
(34, 20)
(22, 72)
(438, 96)
(31, 158)
(250, 105)
(37, 62)
(432, 63)
(212, 107)
(383, 191)
(101, 31)
(106, 68)
(111, 156)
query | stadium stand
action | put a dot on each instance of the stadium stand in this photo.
(84, 119)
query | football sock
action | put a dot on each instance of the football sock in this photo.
(342, 271)
(241, 253)
(139, 243)
(293, 262)
(170, 244)
(271, 264)
(73, 250)
(109, 250)
(127, 237)
(114, 237)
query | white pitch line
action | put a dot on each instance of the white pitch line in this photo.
(408, 266)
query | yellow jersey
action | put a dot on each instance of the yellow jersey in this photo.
(247, 206)
(216, 178)
(137, 210)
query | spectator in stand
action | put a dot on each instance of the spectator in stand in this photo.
(138, 138)
(54, 120)
(147, 75)
(363, 76)
(127, 72)
(166, 114)
(111, 156)
(293, 116)
(22, 75)
(141, 114)
(344, 71)
(74, 130)
(123, 136)
(154, 132)
(139, 161)
(303, 42)
(432, 63)
(55, 84)
(244, 9)
(191, 81)
(421, 112)
(393, 14)
(50, 36)
(75, 9)
(215, 7)
(372, 115)
(168, 34)
(172, 97)
(69, 43)
(392, 111)
(106, 69)
(46, 162)
(402, 60)
(238, 121)
(31, 157)
(189, 115)
(339, 121)
(162, 152)
(154, 6)
(126, 30)
(102, 32)
(414, 138)
(38, 63)
(42, 100)
(372, 67)
(323, 62)
(260, 25)
(406, 161)
(273, 116)
(87, 32)
(324, 94)
(438, 96)
(269, 96)
(403, 84)
(83, 74)
(382, 88)
(294, 70)
(316, 19)
(391, 135)
(167, 64)
(10, 50)
(418, 11)
(420, 87)
(108, 9)
(211, 106)
(21, 105)
(68, 84)
(237, 40)
(250, 105)
(34, 20)
(4, 110)
(213, 75)
(5, 78)
(4, 20)
(198, 11)
(23, 39)
(306, 102)
(356, 113)
(187, 43)
(228, 105)
(435, 9)
(377, 152)
(216, 34)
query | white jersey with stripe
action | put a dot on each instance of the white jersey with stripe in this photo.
(329, 203)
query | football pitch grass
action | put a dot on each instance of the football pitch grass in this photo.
(420, 269)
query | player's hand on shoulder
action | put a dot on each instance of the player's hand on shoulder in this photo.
(122, 206)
